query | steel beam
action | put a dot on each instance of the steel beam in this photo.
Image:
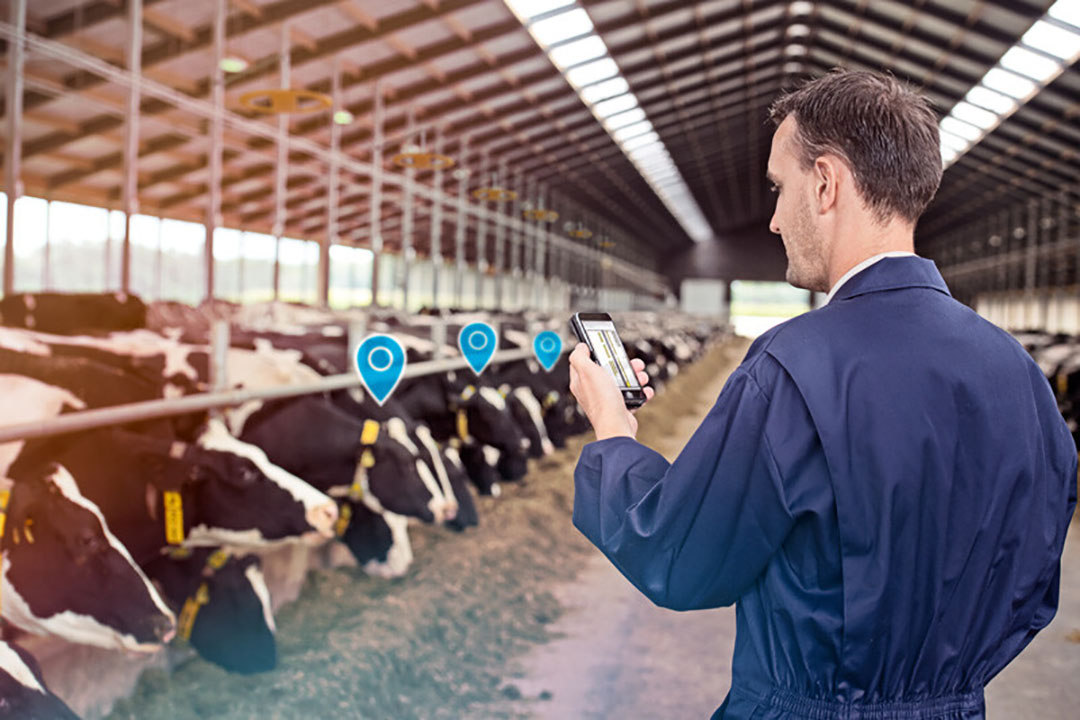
(130, 189)
(217, 140)
(12, 156)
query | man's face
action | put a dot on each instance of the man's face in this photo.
(793, 219)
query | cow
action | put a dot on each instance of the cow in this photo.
(23, 693)
(223, 606)
(70, 313)
(66, 574)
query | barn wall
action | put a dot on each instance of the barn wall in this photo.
(1054, 310)
(752, 253)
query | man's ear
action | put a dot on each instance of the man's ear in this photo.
(826, 176)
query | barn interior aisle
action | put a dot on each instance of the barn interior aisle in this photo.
(439, 642)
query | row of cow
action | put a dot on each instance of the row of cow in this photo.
(126, 537)
(1058, 356)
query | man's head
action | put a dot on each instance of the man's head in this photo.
(855, 157)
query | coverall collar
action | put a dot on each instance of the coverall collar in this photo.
(893, 273)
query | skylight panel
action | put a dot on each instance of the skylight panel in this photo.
(1026, 62)
(623, 119)
(565, 32)
(962, 129)
(1008, 83)
(526, 9)
(561, 27)
(1067, 11)
(593, 72)
(578, 51)
(982, 119)
(603, 90)
(1052, 39)
(615, 105)
(990, 99)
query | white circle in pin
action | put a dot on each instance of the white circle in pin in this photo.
(482, 336)
(389, 362)
(547, 344)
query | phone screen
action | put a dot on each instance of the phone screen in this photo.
(610, 353)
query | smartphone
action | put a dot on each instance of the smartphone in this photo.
(597, 330)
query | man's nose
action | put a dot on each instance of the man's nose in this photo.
(773, 226)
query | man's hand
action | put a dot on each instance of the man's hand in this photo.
(600, 397)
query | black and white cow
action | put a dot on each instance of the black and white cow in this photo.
(66, 574)
(223, 606)
(73, 312)
(23, 693)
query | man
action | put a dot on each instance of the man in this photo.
(884, 484)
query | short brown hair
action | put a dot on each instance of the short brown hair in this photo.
(886, 132)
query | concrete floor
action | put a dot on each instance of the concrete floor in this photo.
(621, 657)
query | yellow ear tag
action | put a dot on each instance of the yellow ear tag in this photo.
(370, 433)
(26, 530)
(5, 498)
(174, 517)
(462, 424)
(551, 398)
(1062, 384)
(344, 517)
(367, 459)
(217, 559)
(186, 621)
(468, 392)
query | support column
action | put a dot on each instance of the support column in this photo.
(481, 233)
(281, 171)
(408, 208)
(376, 191)
(13, 152)
(331, 235)
(436, 224)
(130, 192)
(500, 245)
(462, 175)
(217, 140)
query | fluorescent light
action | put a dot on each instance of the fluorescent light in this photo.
(948, 155)
(615, 105)
(1008, 83)
(956, 127)
(343, 117)
(623, 119)
(649, 139)
(982, 119)
(1067, 11)
(1026, 62)
(800, 7)
(531, 8)
(561, 27)
(234, 64)
(797, 30)
(795, 50)
(631, 131)
(593, 72)
(578, 51)
(1052, 39)
(603, 90)
(990, 99)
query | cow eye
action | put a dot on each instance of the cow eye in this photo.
(88, 542)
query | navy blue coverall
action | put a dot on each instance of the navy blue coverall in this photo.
(882, 488)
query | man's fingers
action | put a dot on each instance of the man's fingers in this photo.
(643, 378)
(649, 392)
(637, 364)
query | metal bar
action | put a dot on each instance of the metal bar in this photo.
(436, 227)
(517, 242)
(160, 256)
(131, 139)
(13, 152)
(376, 191)
(217, 140)
(151, 409)
(331, 234)
(281, 168)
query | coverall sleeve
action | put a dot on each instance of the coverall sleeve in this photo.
(697, 532)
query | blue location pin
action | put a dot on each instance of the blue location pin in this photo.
(477, 343)
(547, 346)
(380, 360)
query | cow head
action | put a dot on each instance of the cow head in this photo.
(223, 605)
(378, 540)
(66, 574)
(233, 494)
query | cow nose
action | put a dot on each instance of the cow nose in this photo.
(322, 518)
(450, 511)
(164, 629)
